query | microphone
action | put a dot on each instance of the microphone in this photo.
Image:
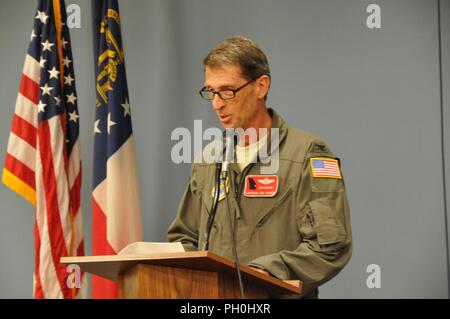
(230, 145)
(220, 173)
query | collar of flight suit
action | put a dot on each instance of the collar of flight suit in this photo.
(278, 123)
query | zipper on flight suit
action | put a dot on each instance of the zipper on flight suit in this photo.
(241, 181)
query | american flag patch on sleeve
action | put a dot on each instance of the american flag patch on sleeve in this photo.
(325, 167)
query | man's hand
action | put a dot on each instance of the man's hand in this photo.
(260, 270)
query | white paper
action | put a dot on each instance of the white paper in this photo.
(144, 248)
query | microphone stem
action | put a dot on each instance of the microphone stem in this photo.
(212, 215)
(233, 237)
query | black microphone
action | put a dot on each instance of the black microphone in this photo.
(230, 146)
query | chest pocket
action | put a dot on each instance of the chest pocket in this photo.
(272, 207)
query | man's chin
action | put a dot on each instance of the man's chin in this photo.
(227, 124)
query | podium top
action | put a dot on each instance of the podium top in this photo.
(112, 266)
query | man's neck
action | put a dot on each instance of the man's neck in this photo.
(262, 125)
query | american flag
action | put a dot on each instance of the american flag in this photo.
(116, 200)
(43, 156)
(325, 167)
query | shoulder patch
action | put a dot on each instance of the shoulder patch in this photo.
(323, 167)
(320, 148)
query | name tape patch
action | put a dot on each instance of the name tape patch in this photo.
(261, 185)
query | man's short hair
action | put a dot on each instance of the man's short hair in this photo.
(241, 51)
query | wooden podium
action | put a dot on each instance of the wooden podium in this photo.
(195, 275)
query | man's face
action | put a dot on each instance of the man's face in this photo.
(240, 111)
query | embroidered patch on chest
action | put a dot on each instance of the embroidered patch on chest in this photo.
(325, 167)
(222, 189)
(261, 185)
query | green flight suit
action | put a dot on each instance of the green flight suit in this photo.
(303, 232)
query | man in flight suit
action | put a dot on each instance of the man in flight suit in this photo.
(293, 224)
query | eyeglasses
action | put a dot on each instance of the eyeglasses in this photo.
(223, 94)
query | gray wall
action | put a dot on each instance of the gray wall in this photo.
(445, 45)
(373, 95)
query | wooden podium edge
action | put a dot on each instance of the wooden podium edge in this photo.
(125, 262)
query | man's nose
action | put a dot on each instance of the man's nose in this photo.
(217, 102)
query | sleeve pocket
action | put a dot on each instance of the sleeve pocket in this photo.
(328, 228)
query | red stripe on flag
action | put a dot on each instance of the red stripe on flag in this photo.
(75, 195)
(66, 160)
(24, 130)
(29, 89)
(55, 230)
(80, 250)
(104, 288)
(20, 170)
(100, 244)
(101, 288)
(38, 291)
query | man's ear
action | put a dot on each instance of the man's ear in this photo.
(263, 85)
